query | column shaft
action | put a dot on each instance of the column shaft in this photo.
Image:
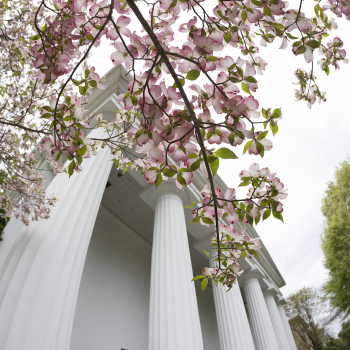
(174, 318)
(260, 321)
(40, 278)
(286, 327)
(277, 322)
(233, 325)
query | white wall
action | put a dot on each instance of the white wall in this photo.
(112, 307)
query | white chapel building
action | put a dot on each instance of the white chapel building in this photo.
(112, 267)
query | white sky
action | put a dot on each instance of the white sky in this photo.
(308, 147)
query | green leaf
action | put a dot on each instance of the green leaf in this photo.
(81, 151)
(278, 215)
(210, 134)
(249, 219)
(159, 180)
(264, 113)
(301, 49)
(214, 166)
(297, 43)
(211, 159)
(244, 15)
(198, 277)
(207, 254)
(89, 37)
(231, 138)
(194, 221)
(93, 83)
(276, 113)
(317, 9)
(16, 74)
(235, 80)
(267, 11)
(193, 74)
(212, 58)
(290, 36)
(257, 219)
(279, 32)
(313, 44)
(260, 148)
(182, 82)
(253, 252)
(134, 100)
(262, 135)
(243, 254)
(245, 88)
(173, 4)
(227, 37)
(247, 145)
(257, 3)
(250, 79)
(71, 168)
(138, 133)
(204, 284)
(244, 183)
(35, 37)
(274, 128)
(195, 165)
(82, 90)
(267, 213)
(207, 220)
(225, 153)
(181, 180)
(169, 172)
(326, 69)
(277, 25)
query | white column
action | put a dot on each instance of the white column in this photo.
(40, 277)
(174, 318)
(286, 327)
(233, 325)
(277, 322)
(259, 318)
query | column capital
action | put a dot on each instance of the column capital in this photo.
(271, 290)
(151, 194)
(281, 300)
(253, 272)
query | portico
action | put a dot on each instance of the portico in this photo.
(120, 276)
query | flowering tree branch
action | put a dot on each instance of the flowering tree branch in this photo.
(175, 124)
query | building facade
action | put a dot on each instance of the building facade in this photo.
(112, 268)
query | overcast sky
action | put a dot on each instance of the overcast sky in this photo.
(308, 147)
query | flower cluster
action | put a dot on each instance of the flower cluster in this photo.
(190, 104)
(232, 246)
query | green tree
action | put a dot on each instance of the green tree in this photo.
(336, 239)
(305, 310)
(343, 340)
